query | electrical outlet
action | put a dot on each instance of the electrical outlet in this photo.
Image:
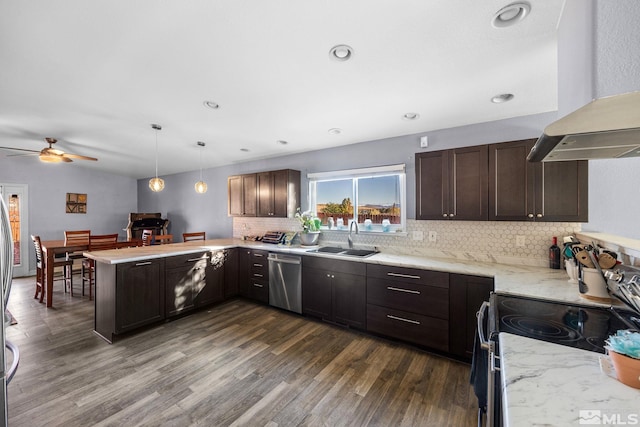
(520, 241)
(418, 235)
(433, 236)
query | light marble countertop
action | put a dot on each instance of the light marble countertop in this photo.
(524, 280)
(548, 384)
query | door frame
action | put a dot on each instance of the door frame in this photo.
(23, 190)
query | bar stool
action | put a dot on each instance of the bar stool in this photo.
(66, 265)
(96, 243)
(199, 235)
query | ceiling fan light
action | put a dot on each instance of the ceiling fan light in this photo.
(201, 187)
(47, 158)
(156, 184)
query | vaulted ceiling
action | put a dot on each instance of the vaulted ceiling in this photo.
(96, 74)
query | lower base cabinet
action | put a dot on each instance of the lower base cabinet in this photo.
(467, 295)
(254, 274)
(335, 290)
(139, 294)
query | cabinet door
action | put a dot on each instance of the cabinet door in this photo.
(249, 195)
(316, 293)
(139, 294)
(234, 196)
(282, 194)
(563, 195)
(212, 288)
(466, 294)
(244, 271)
(179, 284)
(231, 272)
(468, 193)
(349, 298)
(511, 181)
(265, 194)
(432, 185)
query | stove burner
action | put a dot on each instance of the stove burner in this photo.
(544, 329)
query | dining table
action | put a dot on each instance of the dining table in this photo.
(51, 248)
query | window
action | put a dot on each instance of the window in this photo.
(374, 197)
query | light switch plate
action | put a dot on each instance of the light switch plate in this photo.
(520, 242)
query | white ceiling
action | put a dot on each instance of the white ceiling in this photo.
(96, 74)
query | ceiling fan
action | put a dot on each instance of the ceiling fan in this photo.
(50, 154)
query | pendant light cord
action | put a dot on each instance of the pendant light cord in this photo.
(156, 152)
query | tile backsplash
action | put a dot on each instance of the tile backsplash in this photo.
(487, 241)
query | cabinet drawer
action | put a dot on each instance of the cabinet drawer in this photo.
(335, 265)
(411, 297)
(409, 275)
(422, 330)
(187, 259)
(258, 290)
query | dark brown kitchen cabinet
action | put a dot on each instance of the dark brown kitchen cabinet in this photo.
(409, 304)
(214, 286)
(278, 193)
(254, 274)
(334, 290)
(231, 273)
(139, 294)
(452, 184)
(242, 195)
(185, 277)
(544, 191)
(466, 296)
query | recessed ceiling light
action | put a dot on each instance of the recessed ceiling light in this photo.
(282, 142)
(341, 52)
(411, 116)
(211, 104)
(504, 97)
(335, 131)
(511, 14)
(246, 150)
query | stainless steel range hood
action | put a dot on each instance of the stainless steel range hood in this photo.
(606, 128)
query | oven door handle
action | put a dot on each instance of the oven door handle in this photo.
(484, 343)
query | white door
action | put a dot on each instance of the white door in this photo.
(16, 198)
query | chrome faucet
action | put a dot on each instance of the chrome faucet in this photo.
(350, 231)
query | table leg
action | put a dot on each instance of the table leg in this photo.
(49, 260)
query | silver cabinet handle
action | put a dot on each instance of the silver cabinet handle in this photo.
(257, 285)
(257, 275)
(445, 215)
(539, 215)
(197, 259)
(138, 264)
(409, 291)
(258, 255)
(402, 319)
(530, 215)
(406, 276)
(257, 265)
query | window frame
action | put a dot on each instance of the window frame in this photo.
(398, 170)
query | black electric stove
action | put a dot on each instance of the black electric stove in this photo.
(573, 325)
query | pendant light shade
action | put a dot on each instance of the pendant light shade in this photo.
(156, 184)
(201, 186)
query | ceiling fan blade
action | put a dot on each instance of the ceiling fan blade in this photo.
(78, 156)
(22, 155)
(19, 149)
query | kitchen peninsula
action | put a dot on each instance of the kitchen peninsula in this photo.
(529, 366)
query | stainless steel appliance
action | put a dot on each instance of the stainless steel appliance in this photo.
(285, 281)
(606, 128)
(574, 325)
(6, 272)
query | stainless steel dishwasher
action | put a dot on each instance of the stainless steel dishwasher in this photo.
(285, 281)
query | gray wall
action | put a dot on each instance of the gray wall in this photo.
(110, 198)
(614, 194)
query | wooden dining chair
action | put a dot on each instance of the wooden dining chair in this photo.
(97, 242)
(66, 265)
(162, 239)
(199, 235)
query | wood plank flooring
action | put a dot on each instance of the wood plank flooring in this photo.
(235, 364)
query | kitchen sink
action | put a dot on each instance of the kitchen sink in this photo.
(328, 249)
(342, 251)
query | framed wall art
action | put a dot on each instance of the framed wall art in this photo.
(76, 203)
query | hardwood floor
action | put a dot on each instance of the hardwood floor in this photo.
(238, 363)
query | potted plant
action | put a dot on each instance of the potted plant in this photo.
(624, 351)
(310, 228)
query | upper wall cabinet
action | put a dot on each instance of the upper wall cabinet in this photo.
(452, 184)
(523, 191)
(242, 195)
(264, 194)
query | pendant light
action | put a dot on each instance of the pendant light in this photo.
(201, 186)
(156, 184)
